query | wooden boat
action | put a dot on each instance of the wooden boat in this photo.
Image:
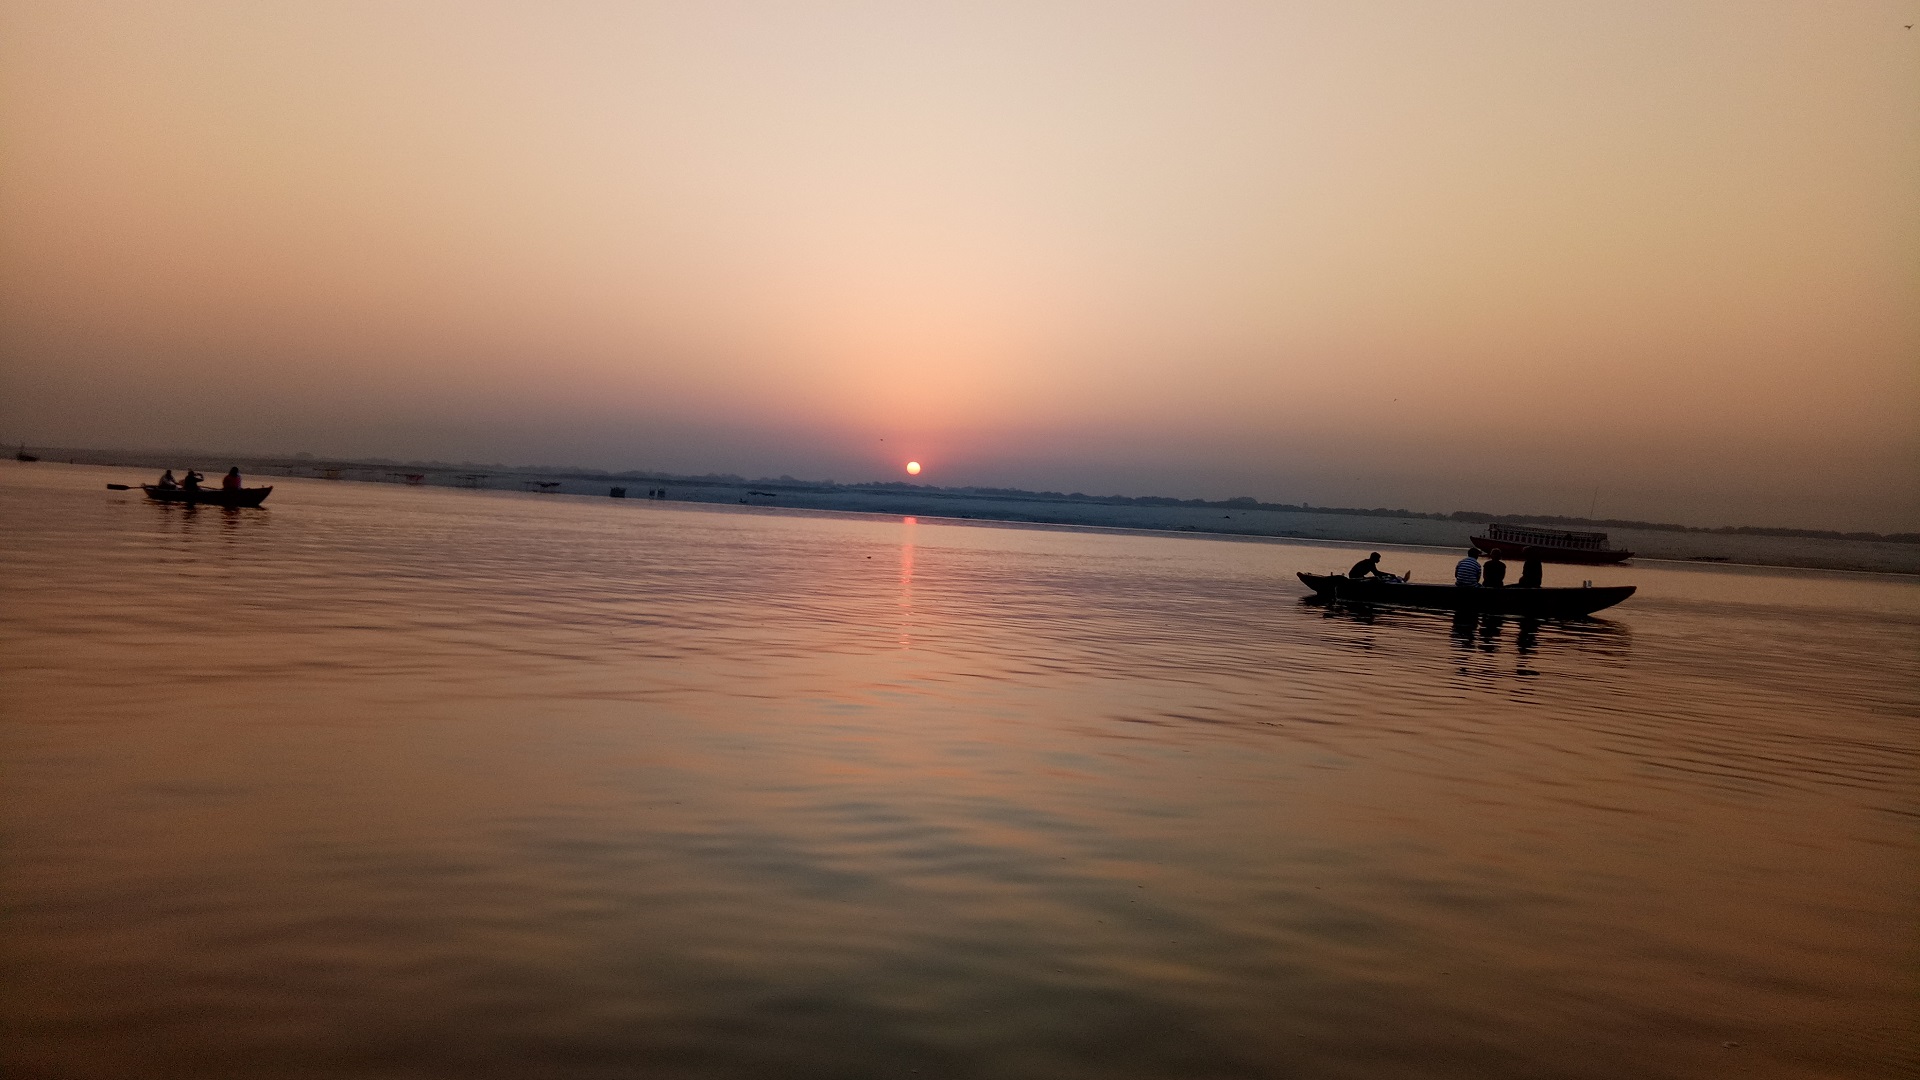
(208, 496)
(1549, 603)
(1552, 545)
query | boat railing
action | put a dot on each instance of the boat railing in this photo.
(1549, 538)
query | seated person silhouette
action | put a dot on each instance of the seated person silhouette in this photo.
(1466, 572)
(1529, 570)
(1494, 574)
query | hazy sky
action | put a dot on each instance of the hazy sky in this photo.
(1662, 258)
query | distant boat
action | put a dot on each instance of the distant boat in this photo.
(22, 455)
(1547, 603)
(1552, 545)
(208, 496)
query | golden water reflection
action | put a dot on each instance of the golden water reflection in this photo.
(906, 581)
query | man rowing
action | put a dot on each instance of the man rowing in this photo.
(1368, 567)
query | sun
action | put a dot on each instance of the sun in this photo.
(913, 468)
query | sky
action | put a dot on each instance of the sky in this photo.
(1652, 260)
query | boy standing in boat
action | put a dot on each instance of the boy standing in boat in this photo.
(1466, 573)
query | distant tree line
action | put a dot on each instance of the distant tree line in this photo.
(1661, 526)
(1242, 502)
(1245, 502)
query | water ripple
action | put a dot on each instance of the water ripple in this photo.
(396, 782)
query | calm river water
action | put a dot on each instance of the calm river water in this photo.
(391, 782)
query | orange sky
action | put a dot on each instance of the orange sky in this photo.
(1504, 256)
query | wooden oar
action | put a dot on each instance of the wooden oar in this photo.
(119, 487)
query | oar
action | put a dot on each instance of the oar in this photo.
(119, 487)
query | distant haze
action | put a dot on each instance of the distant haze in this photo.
(1657, 259)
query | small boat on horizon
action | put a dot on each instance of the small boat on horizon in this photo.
(22, 455)
(1552, 545)
(1565, 603)
(208, 496)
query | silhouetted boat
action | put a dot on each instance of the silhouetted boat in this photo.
(208, 496)
(1564, 603)
(1553, 545)
(22, 455)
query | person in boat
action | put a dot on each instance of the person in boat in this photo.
(1466, 572)
(190, 481)
(1494, 574)
(231, 481)
(167, 482)
(1529, 569)
(1370, 566)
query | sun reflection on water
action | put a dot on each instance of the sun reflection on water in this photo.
(906, 581)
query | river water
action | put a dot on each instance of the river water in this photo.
(392, 782)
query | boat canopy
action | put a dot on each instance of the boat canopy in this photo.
(1558, 538)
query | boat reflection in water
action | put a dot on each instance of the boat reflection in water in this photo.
(1473, 640)
(185, 520)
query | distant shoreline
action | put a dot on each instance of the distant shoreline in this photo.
(1742, 545)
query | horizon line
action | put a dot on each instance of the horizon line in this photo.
(1245, 502)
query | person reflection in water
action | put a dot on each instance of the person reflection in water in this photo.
(167, 482)
(1495, 574)
(1529, 569)
(1466, 572)
(1368, 566)
(231, 481)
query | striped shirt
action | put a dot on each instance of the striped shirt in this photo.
(1467, 572)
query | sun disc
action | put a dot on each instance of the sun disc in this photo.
(913, 468)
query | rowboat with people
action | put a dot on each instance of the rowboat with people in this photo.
(1544, 602)
(187, 489)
